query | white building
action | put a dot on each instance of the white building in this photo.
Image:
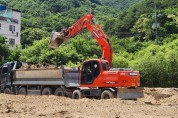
(10, 24)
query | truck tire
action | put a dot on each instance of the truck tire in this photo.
(22, 91)
(59, 92)
(106, 94)
(46, 91)
(7, 90)
(77, 94)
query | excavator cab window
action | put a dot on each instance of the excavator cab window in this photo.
(90, 72)
(105, 66)
(95, 69)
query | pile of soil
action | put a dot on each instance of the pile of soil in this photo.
(37, 66)
(157, 103)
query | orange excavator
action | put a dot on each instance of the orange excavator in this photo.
(86, 22)
(96, 77)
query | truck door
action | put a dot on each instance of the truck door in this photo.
(4, 74)
(90, 72)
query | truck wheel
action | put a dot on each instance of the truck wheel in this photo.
(7, 90)
(59, 92)
(46, 91)
(22, 91)
(77, 94)
(106, 94)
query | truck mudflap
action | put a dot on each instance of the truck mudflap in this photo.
(130, 93)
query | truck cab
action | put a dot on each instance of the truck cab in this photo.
(6, 71)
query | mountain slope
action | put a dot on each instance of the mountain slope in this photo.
(120, 4)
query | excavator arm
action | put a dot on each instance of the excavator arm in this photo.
(86, 22)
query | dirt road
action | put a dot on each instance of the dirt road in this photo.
(158, 103)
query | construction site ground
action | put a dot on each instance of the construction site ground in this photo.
(157, 103)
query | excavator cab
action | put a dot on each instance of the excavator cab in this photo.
(90, 71)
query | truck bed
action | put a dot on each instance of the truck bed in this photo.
(50, 76)
(38, 73)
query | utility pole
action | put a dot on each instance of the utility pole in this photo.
(156, 25)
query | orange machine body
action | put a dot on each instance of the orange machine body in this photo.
(113, 78)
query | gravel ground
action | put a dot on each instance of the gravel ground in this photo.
(157, 103)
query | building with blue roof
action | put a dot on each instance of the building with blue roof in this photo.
(10, 25)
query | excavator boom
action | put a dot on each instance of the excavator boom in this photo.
(86, 22)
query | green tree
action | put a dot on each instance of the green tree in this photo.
(120, 61)
(143, 26)
(158, 65)
(4, 50)
(15, 53)
(32, 53)
(31, 34)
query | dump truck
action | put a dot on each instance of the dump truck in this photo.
(38, 81)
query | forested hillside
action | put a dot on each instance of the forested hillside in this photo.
(127, 23)
(120, 4)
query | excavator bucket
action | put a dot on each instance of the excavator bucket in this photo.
(130, 93)
(56, 39)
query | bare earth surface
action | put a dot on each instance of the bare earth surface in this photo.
(158, 103)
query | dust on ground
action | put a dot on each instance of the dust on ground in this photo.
(157, 103)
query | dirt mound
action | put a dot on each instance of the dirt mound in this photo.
(37, 66)
(158, 103)
(164, 96)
